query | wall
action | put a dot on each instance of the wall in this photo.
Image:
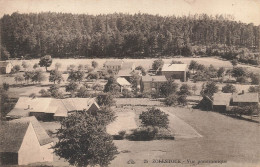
(175, 75)
(8, 158)
(47, 153)
(29, 151)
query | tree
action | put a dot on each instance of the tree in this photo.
(5, 55)
(36, 65)
(83, 92)
(220, 72)
(234, 62)
(229, 88)
(209, 89)
(157, 64)
(45, 93)
(93, 75)
(45, 61)
(194, 88)
(97, 87)
(254, 89)
(16, 68)
(38, 76)
(28, 76)
(18, 78)
(25, 65)
(141, 69)
(94, 64)
(171, 100)
(168, 88)
(5, 86)
(184, 90)
(154, 117)
(182, 99)
(55, 92)
(112, 86)
(238, 72)
(72, 88)
(55, 75)
(57, 66)
(105, 99)
(76, 76)
(255, 79)
(135, 80)
(83, 141)
(193, 65)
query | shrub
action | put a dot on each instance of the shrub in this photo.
(154, 117)
(127, 94)
(143, 134)
(229, 88)
(171, 100)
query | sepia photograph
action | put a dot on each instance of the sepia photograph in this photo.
(129, 83)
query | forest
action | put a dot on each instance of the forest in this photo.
(64, 35)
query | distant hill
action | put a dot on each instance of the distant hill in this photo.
(122, 35)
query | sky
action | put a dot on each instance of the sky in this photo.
(247, 11)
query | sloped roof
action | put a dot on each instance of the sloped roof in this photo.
(123, 82)
(127, 65)
(246, 97)
(11, 135)
(220, 99)
(125, 72)
(174, 67)
(40, 132)
(156, 78)
(113, 63)
(4, 63)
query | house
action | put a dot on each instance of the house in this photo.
(21, 143)
(113, 65)
(50, 108)
(123, 83)
(245, 99)
(5, 67)
(44, 139)
(221, 101)
(175, 71)
(149, 83)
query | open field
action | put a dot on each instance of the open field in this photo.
(146, 63)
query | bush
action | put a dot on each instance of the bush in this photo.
(120, 136)
(127, 94)
(143, 134)
(154, 117)
(229, 88)
(171, 100)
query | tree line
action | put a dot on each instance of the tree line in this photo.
(64, 35)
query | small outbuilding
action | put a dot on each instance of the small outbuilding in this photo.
(123, 83)
(5, 67)
(149, 83)
(221, 101)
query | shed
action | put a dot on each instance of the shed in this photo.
(149, 83)
(175, 71)
(221, 101)
(123, 83)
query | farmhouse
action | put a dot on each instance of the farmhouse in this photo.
(5, 67)
(221, 101)
(23, 142)
(175, 71)
(123, 83)
(149, 83)
(244, 99)
(113, 65)
(49, 108)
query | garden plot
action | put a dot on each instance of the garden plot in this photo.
(125, 121)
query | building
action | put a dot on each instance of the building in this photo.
(221, 101)
(23, 142)
(5, 67)
(128, 66)
(245, 99)
(123, 83)
(113, 65)
(175, 71)
(50, 108)
(149, 83)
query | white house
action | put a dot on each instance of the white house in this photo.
(20, 144)
(5, 67)
(123, 83)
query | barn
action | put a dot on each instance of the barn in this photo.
(175, 71)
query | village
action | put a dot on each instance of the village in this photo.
(128, 88)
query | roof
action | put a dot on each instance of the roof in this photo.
(246, 97)
(25, 105)
(123, 82)
(58, 107)
(40, 132)
(156, 78)
(4, 63)
(125, 72)
(220, 99)
(174, 67)
(127, 65)
(72, 104)
(113, 63)
(11, 135)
